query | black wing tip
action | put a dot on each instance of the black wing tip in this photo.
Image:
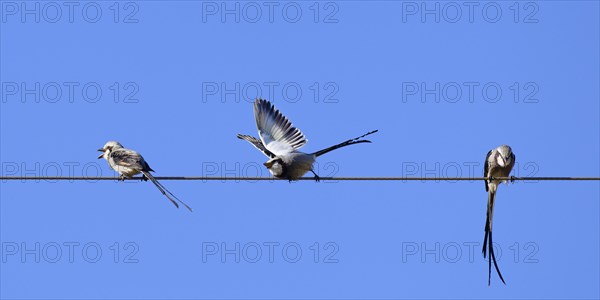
(263, 100)
(261, 105)
(266, 105)
(246, 137)
(260, 102)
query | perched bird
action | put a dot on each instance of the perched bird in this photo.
(280, 141)
(128, 162)
(498, 163)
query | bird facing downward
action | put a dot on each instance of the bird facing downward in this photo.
(498, 163)
(280, 141)
(128, 163)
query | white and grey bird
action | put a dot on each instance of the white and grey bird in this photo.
(280, 141)
(498, 163)
(128, 163)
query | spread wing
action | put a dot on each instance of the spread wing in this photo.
(277, 134)
(486, 168)
(129, 158)
(256, 143)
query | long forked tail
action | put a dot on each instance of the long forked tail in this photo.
(346, 143)
(487, 239)
(166, 192)
(493, 257)
(490, 205)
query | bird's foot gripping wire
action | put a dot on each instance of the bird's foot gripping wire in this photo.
(121, 178)
(512, 179)
(317, 178)
(144, 178)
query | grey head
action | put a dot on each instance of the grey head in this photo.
(108, 148)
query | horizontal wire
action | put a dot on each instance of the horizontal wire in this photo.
(207, 178)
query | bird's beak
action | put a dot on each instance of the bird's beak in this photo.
(270, 163)
(100, 156)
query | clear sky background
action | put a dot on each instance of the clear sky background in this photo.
(176, 81)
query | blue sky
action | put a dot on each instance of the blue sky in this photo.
(443, 84)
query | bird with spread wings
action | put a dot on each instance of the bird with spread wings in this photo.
(280, 141)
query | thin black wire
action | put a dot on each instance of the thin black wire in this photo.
(207, 178)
